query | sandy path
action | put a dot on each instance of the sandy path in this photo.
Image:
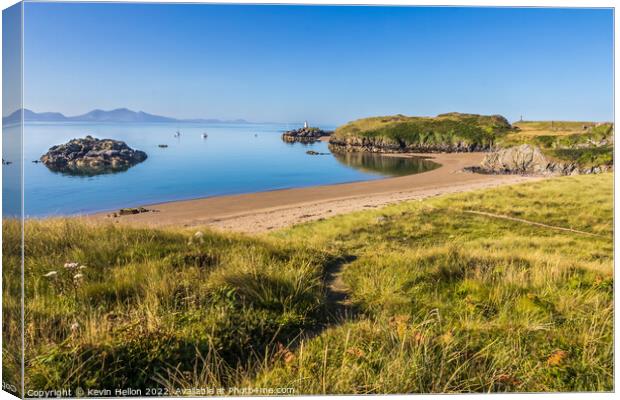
(525, 221)
(264, 211)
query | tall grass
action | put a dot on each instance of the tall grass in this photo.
(447, 300)
(153, 301)
(460, 302)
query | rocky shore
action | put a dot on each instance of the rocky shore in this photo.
(92, 156)
(388, 145)
(445, 133)
(543, 148)
(530, 160)
(304, 135)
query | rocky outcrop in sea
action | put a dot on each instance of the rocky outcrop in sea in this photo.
(304, 135)
(530, 160)
(92, 156)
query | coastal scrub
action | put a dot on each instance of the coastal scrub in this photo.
(399, 133)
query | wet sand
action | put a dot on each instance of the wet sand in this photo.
(265, 211)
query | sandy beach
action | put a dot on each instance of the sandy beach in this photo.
(265, 211)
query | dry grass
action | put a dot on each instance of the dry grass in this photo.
(450, 301)
(554, 128)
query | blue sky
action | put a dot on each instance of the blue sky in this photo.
(326, 64)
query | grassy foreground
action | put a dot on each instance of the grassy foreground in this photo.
(446, 299)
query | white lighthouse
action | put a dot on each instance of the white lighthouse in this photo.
(305, 124)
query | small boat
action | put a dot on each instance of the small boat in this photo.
(177, 134)
(204, 135)
(163, 146)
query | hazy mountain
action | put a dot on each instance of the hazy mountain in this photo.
(45, 116)
(29, 115)
(117, 115)
(120, 115)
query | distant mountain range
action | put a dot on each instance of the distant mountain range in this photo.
(117, 115)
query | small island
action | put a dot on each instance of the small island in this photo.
(306, 134)
(92, 156)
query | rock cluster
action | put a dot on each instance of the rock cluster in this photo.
(304, 135)
(91, 156)
(530, 160)
(130, 211)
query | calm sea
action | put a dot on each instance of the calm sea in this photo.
(235, 158)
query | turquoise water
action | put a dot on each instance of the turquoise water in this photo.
(233, 159)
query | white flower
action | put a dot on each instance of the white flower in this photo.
(74, 327)
(77, 277)
(71, 265)
(81, 267)
(51, 274)
(199, 236)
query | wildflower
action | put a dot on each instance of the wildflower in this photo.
(357, 352)
(71, 265)
(51, 274)
(447, 338)
(556, 357)
(82, 267)
(199, 236)
(78, 278)
(74, 327)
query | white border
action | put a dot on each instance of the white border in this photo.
(480, 3)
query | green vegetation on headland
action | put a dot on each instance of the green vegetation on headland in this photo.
(567, 146)
(587, 144)
(447, 295)
(399, 133)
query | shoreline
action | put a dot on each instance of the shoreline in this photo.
(269, 210)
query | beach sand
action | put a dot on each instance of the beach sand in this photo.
(265, 211)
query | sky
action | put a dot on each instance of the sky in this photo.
(324, 64)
